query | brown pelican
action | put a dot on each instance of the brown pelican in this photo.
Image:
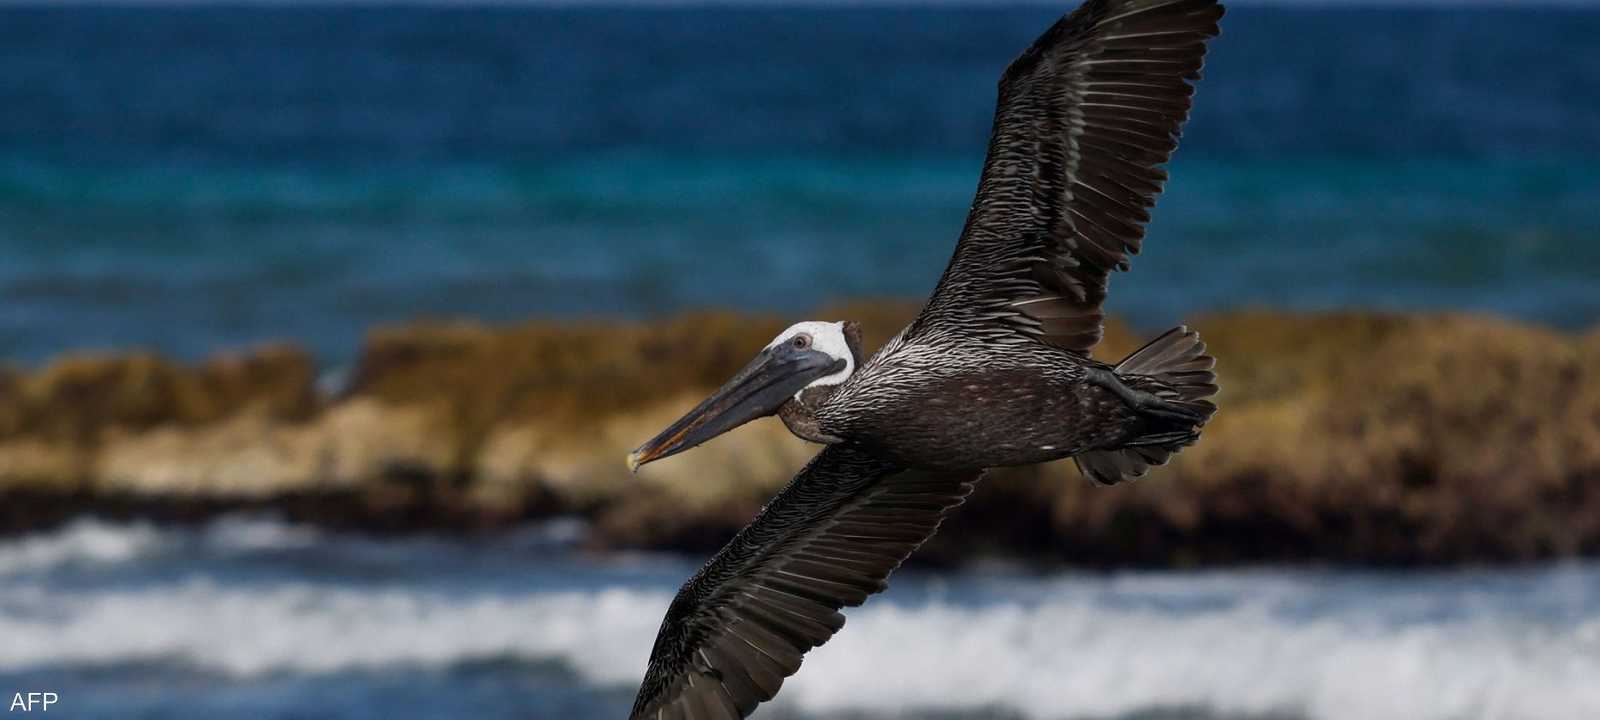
(995, 371)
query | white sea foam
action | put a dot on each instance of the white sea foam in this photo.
(83, 542)
(1077, 647)
(94, 543)
(308, 628)
(1075, 659)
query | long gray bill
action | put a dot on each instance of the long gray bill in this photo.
(758, 390)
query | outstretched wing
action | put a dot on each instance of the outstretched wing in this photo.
(1086, 118)
(830, 539)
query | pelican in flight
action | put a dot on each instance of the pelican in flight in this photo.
(994, 372)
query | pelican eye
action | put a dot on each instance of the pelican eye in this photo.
(801, 341)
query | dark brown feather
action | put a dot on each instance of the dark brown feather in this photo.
(1086, 118)
(829, 540)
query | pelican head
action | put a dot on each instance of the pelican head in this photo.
(805, 356)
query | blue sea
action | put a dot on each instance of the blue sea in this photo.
(192, 177)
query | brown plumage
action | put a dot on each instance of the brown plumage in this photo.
(830, 539)
(995, 370)
(1085, 119)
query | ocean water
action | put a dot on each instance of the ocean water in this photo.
(251, 618)
(189, 178)
(194, 177)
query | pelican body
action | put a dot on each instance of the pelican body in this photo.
(995, 371)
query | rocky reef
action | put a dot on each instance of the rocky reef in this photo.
(1348, 438)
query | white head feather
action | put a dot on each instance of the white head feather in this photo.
(826, 337)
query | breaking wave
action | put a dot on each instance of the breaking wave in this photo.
(1334, 645)
(92, 543)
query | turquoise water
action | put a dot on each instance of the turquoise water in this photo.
(189, 178)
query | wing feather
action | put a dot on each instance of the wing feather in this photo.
(829, 540)
(1086, 119)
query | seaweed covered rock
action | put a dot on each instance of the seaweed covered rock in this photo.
(1349, 437)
